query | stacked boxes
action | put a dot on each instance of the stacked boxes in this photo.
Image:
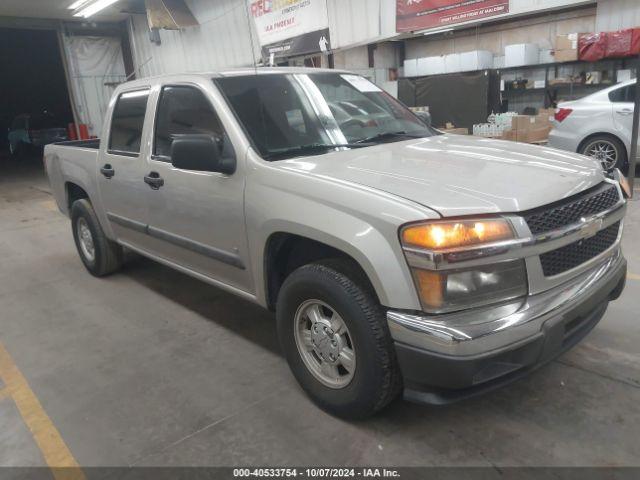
(566, 48)
(530, 128)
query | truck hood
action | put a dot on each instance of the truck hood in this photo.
(458, 174)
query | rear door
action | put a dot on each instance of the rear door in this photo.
(122, 168)
(622, 102)
(196, 219)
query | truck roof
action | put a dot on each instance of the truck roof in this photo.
(234, 72)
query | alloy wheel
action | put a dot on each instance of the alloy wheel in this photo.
(325, 344)
(86, 240)
(603, 151)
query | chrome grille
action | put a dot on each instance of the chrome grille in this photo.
(571, 210)
(570, 256)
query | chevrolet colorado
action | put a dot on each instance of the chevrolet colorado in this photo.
(397, 258)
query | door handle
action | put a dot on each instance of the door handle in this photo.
(107, 171)
(154, 180)
(625, 111)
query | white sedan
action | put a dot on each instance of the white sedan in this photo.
(598, 125)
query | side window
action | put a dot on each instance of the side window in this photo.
(184, 110)
(127, 122)
(624, 94)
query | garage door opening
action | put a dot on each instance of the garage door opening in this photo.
(35, 99)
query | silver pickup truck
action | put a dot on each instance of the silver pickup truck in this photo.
(396, 258)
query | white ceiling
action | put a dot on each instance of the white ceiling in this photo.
(56, 9)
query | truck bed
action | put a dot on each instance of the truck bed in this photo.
(74, 162)
(93, 143)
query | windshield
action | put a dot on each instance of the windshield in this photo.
(289, 115)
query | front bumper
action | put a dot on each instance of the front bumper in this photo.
(467, 354)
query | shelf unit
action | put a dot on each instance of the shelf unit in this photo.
(519, 99)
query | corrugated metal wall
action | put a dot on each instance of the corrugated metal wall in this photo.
(617, 14)
(357, 22)
(222, 40)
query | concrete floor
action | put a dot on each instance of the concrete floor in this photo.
(151, 367)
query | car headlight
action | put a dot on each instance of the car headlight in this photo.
(451, 289)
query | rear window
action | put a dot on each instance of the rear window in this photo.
(127, 123)
(623, 95)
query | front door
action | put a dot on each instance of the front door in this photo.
(122, 168)
(196, 219)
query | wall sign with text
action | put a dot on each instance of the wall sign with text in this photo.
(291, 27)
(414, 15)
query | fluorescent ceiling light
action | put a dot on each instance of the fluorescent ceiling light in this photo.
(94, 8)
(433, 32)
(78, 4)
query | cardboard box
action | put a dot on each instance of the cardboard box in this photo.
(538, 135)
(567, 55)
(430, 66)
(452, 63)
(521, 54)
(476, 60)
(545, 116)
(456, 131)
(567, 42)
(411, 68)
(522, 122)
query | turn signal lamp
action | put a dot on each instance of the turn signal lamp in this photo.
(447, 235)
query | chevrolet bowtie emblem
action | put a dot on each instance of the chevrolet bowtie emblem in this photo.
(591, 228)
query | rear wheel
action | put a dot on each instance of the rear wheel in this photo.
(99, 255)
(608, 150)
(335, 337)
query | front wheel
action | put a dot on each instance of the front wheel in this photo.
(334, 335)
(608, 150)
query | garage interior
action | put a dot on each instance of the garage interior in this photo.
(151, 367)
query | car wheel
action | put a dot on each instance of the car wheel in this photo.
(335, 338)
(100, 255)
(608, 150)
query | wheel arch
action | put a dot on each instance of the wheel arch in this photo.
(603, 134)
(74, 192)
(381, 265)
(285, 252)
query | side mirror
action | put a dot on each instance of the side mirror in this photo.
(200, 153)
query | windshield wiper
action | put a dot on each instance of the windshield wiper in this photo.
(389, 135)
(313, 147)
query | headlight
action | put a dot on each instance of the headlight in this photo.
(443, 235)
(449, 289)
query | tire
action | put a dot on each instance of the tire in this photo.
(606, 143)
(375, 379)
(107, 255)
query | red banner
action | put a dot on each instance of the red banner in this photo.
(422, 14)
